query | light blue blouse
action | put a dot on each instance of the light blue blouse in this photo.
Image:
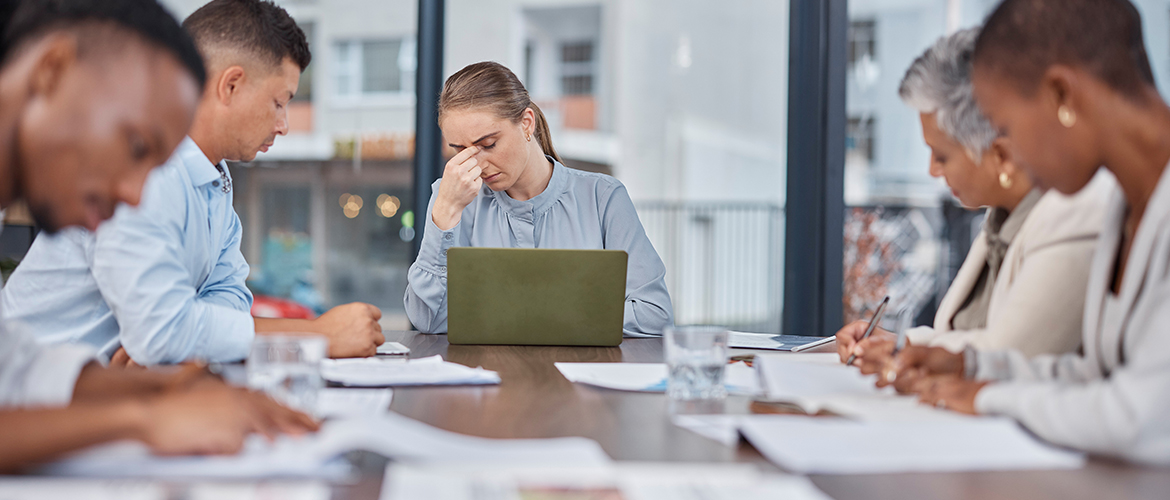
(578, 210)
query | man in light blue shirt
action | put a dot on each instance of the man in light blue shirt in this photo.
(169, 272)
(164, 282)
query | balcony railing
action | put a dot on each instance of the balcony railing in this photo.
(724, 261)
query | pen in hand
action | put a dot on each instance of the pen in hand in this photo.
(877, 315)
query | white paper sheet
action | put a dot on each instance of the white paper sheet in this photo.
(842, 446)
(651, 377)
(379, 372)
(820, 358)
(791, 380)
(723, 429)
(266, 490)
(56, 488)
(627, 480)
(820, 382)
(41, 488)
(337, 402)
(393, 349)
(390, 435)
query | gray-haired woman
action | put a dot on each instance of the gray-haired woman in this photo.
(1023, 283)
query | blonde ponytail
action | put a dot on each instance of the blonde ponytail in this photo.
(543, 135)
(493, 86)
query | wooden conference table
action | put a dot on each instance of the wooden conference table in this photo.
(533, 400)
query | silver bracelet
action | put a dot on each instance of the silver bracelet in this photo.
(970, 363)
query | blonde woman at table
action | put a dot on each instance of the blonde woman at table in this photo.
(1070, 82)
(1023, 282)
(507, 188)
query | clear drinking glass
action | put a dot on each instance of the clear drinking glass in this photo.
(696, 357)
(288, 368)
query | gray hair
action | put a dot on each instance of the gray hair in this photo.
(939, 81)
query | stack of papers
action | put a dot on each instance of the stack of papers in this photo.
(814, 383)
(37, 488)
(625, 481)
(651, 377)
(841, 446)
(379, 372)
(318, 455)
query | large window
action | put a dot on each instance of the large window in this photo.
(686, 104)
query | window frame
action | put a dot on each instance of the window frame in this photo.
(815, 205)
(353, 66)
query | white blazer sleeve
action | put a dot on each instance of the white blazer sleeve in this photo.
(1122, 414)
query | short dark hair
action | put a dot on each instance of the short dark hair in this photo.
(90, 19)
(1023, 38)
(260, 27)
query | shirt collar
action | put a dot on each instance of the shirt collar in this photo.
(199, 168)
(531, 208)
(1004, 225)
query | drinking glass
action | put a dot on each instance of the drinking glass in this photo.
(696, 357)
(288, 368)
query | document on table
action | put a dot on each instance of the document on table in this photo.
(41, 488)
(625, 481)
(770, 341)
(722, 428)
(820, 382)
(841, 446)
(379, 372)
(336, 402)
(651, 377)
(318, 455)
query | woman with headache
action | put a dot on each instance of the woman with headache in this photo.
(506, 188)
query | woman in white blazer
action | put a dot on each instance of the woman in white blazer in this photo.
(1022, 285)
(1070, 82)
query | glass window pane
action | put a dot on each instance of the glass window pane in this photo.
(905, 235)
(380, 71)
(686, 104)
(299, 237)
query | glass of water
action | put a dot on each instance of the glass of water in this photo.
(696, 357)
(288, 368)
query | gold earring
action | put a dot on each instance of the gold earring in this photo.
(528, 137)
(1067, 117)
(1005, 180)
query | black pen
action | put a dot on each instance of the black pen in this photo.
(877, 315)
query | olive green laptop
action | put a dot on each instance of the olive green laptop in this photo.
(524, 296)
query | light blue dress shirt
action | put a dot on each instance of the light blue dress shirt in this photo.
(578, 210)
(165, 280)
(34, 375)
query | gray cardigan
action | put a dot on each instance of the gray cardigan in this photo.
(578, 210)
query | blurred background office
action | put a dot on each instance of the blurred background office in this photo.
(684, 101)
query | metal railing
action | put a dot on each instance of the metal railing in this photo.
(724, 261)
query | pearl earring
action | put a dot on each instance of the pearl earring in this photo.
(1005, 180)
(1067, 117)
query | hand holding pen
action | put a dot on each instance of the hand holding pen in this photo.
(864, 343)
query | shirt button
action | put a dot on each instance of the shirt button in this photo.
(448, 236)
(215, 183)
(442, 269)
(444, 252)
